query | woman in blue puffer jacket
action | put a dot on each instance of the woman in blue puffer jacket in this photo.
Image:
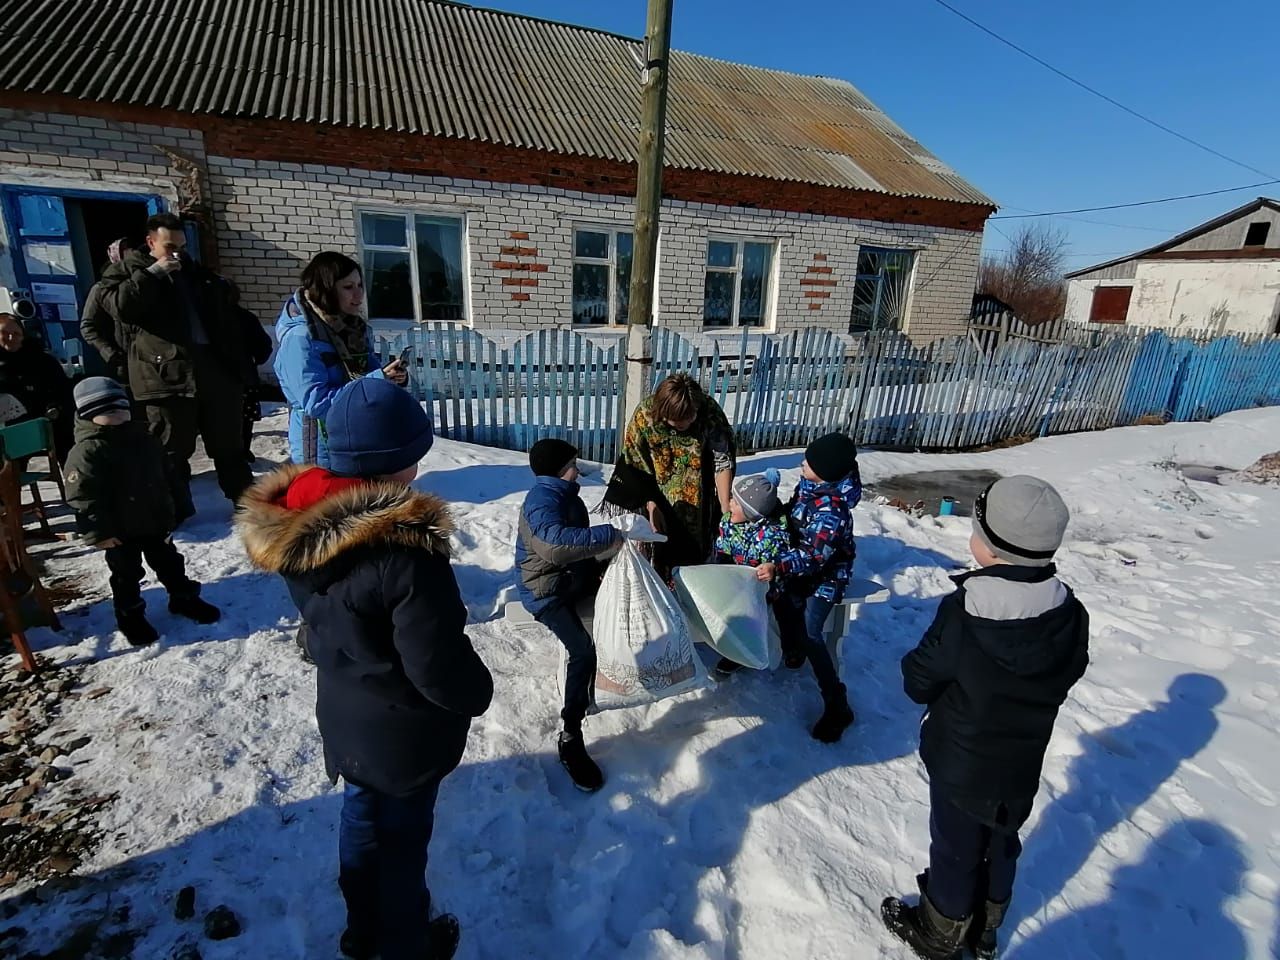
(324, 343)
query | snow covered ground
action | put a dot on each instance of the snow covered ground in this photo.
(724, 831)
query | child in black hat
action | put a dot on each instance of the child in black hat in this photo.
(116, 485)
(817, 569)
(556, 555)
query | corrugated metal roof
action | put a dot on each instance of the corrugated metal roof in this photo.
(424, 66)
(1244, 210)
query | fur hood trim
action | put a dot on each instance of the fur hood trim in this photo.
(300, 541)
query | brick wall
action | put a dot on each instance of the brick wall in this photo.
(271, 216)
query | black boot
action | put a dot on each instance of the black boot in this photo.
(793, 659)
(726, 667)
(193, 608)
(926, 931)
(135, 626)
(837, 716)
(987, 918)
(354, 946)
(582, 769)
(443, 934)
(982, 932)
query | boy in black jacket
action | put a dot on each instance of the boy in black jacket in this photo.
(117, 485)
(993, 669)
(366, 560)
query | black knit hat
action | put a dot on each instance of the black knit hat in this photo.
(832, 457)
(548, 458)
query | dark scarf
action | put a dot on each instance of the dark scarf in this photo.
(347, 334)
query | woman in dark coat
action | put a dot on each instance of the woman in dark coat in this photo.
(35, 379)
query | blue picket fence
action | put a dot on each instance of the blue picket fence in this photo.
(782, 391)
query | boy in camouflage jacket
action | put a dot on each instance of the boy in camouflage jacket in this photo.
(817, 569)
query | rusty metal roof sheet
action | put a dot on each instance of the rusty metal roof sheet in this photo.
(425, 66)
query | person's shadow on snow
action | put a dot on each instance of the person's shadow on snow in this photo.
(1120, 770)
(662, 864)
(1169, 904)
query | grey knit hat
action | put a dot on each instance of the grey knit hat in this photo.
(756, 495)
(1021, 520)
(95, 395)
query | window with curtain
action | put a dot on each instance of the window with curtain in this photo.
(736, 291)
(601, 275)
(880, 289)
(413, 265)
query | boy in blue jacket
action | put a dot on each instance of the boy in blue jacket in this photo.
(556, 555)
(817, 569)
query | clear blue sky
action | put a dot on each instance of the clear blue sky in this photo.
(1025, 136)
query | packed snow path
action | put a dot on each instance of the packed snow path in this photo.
(723, 830)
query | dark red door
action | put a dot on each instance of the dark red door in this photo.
(1110, 304)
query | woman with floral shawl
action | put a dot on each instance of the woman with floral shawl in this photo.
(677, 464)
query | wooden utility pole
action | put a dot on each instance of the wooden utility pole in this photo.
(644, 255)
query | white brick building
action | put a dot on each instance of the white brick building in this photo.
(491, 214)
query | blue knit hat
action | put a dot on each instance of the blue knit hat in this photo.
(376, 428)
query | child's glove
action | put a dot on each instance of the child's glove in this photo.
(106, 544)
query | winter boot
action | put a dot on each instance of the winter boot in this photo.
(793, 659)
(982, 932)
(193, 608)
(926, 931)
(836, 718)
(443, 934)
(725, 668)
(355, 946)
(582, 769)
(135, 627)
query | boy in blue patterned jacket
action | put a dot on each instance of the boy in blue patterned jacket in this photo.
(753, 534)
(817, 569)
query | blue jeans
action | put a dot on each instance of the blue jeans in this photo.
(802, 623)
(382, 856)
(580, 672)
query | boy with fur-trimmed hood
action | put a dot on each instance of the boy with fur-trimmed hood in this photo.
(992, 670)
(366, 560)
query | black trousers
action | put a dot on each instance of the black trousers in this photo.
(970, 861)
(125, 563)
(215, 414)
(580, 672)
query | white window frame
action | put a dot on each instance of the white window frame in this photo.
(409, 213)
(612, 229)
(740, 242)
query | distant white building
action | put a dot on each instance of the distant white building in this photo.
(1223, 275)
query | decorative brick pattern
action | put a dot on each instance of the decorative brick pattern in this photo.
(518, 261)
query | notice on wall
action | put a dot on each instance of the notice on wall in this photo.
(49, 259)
(53, 293)
(56, 301)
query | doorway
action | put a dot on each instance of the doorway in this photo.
(96, 224)
(58, 242)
